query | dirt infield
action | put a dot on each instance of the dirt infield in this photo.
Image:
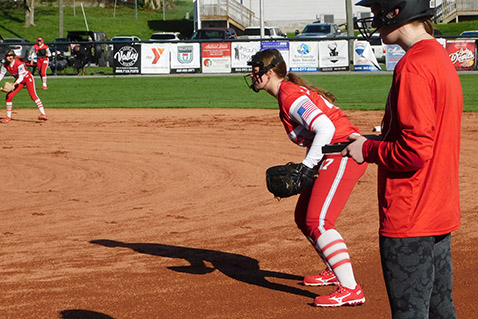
(164, 214)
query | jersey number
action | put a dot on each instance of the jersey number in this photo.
(326, 163)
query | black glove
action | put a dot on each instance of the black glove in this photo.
(289, 179)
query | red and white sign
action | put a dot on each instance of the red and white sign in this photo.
(462, 53)
(216, 57)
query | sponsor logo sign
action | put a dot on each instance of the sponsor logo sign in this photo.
(242, 52)
(304, 56)
(393, 54)
(126, 59)
(462, 53)
(334, 55)
(185, 58)
(282, 46)
(364, 58)
(216, 57)
(155, 58)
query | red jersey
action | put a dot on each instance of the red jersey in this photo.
(42, 51)
(17, 69)
(418, 158)
(300, 108)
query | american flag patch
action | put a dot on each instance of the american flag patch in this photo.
(306, 109)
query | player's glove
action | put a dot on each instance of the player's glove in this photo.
(289, 179)
(8, 87)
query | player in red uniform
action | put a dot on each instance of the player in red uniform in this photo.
(42, 53)
(312, 120)
(23, 77)
(418, 159)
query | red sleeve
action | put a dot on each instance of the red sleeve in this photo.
(412, 145)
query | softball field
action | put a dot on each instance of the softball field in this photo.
(164, 213)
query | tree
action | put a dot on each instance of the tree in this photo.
(152, 4)
(29, 6)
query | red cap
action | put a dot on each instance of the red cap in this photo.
(40, 39)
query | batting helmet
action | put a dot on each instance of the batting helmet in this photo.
(409, 10)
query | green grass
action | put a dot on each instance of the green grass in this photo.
(457, 28)
(120, 22)
(354, 92)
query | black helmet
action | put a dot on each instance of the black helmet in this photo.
(409, 10)
(257, 61)
(10, 53)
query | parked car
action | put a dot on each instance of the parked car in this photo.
(269, 32)
(126, 39)
(473, 33)
(122, 39)
(319, 30)
(100, 49)
(21, 47)
(166, 36)
(214, 34)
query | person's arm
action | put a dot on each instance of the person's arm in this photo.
(306, 113)
(416, 114)
(3, 71)
(22, 72)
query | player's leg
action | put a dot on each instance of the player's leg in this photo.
(337, 178)
(33, 95)
(43, 67)
(327, 276)
(441, 302)
(408, 271)
(9, 102)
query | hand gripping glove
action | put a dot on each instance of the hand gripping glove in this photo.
(8, 87)
(289, 179)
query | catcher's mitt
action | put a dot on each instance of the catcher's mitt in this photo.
(8, 87)
(289, 179)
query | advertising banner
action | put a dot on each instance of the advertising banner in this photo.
(155, 58)
(462, 53)
(126, 59)
(364, 58)
(304, 56)
(393, 54)
(185, 58)
(282, 46)
(242, 53)
(334, 55)
(216, 57)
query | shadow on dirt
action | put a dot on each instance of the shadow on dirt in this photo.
(238, 267)
(82, 314)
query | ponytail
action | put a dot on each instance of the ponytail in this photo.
(294, 78)
(267, 56)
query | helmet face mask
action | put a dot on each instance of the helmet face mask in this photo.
(256, 62)
(255, 75)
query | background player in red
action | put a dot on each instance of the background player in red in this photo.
(418, 159)
(312, 120)
(23, 77)
(42, 53)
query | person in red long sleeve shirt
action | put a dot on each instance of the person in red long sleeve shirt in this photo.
(418, 160)
(23, 78)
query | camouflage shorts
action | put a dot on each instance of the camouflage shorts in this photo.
(418, 276)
